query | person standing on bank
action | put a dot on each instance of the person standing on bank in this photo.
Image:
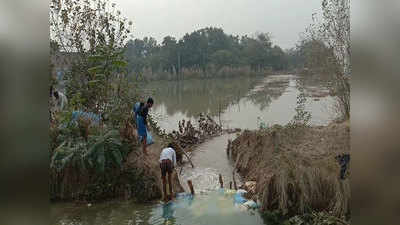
(167, 165)
(143, 124)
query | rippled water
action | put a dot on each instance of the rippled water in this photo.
(210, 160)
(239, 102)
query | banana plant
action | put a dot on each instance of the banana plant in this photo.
(104, 151)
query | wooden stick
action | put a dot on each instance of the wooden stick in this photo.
(183, 150)
(228, 149)
(180, 171)
(191, 186)
(234, 181)
(221, 182)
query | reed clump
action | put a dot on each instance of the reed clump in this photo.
(296, 168)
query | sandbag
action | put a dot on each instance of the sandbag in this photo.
(251, 204)
(239, 199)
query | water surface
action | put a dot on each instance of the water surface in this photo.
(237, 103)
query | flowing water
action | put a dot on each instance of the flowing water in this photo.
(236, 103)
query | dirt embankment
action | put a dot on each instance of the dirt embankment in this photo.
(295, 168)
(138, 179)
(146, 173)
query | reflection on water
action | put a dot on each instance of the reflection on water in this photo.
(240, 101)
(213, 208)
(191, 97)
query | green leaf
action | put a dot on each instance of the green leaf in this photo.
(67, 159)
(116, 142)
(95, 69)
(117, 157)
(93, 81)
(111, 133)
(82, 162)
(53, 159)
(120, 63)
(101, 160)
(100, 76)
(95, 147)
(56, 154)
(95, 58)
(90, 162)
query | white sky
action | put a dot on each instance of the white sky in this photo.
(284, 19)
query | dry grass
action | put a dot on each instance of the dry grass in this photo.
(197, 73)
(297, 187)
(295, 168)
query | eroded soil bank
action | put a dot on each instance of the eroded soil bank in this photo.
(296, 169)
(139, 179)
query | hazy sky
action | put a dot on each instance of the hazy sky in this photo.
(284, 19)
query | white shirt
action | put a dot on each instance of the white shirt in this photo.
(168, 153)
(61, 102)
(64, 100)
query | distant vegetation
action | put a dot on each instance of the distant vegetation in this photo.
(206, 51)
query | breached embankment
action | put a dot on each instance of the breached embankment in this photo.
(296, 168)
(139, 176)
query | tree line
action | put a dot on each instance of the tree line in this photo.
(204, 48)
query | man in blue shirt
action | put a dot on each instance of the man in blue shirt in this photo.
(142, 123)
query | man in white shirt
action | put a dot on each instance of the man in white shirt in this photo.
(61, 100)
(167, 165)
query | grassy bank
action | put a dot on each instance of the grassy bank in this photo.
(295, 168)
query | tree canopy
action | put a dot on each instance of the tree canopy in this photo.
(205, 47)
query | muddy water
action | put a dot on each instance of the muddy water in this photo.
(210, 160)
(213, 208)
(239, 102)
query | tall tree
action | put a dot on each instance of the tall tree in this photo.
(334, 32)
